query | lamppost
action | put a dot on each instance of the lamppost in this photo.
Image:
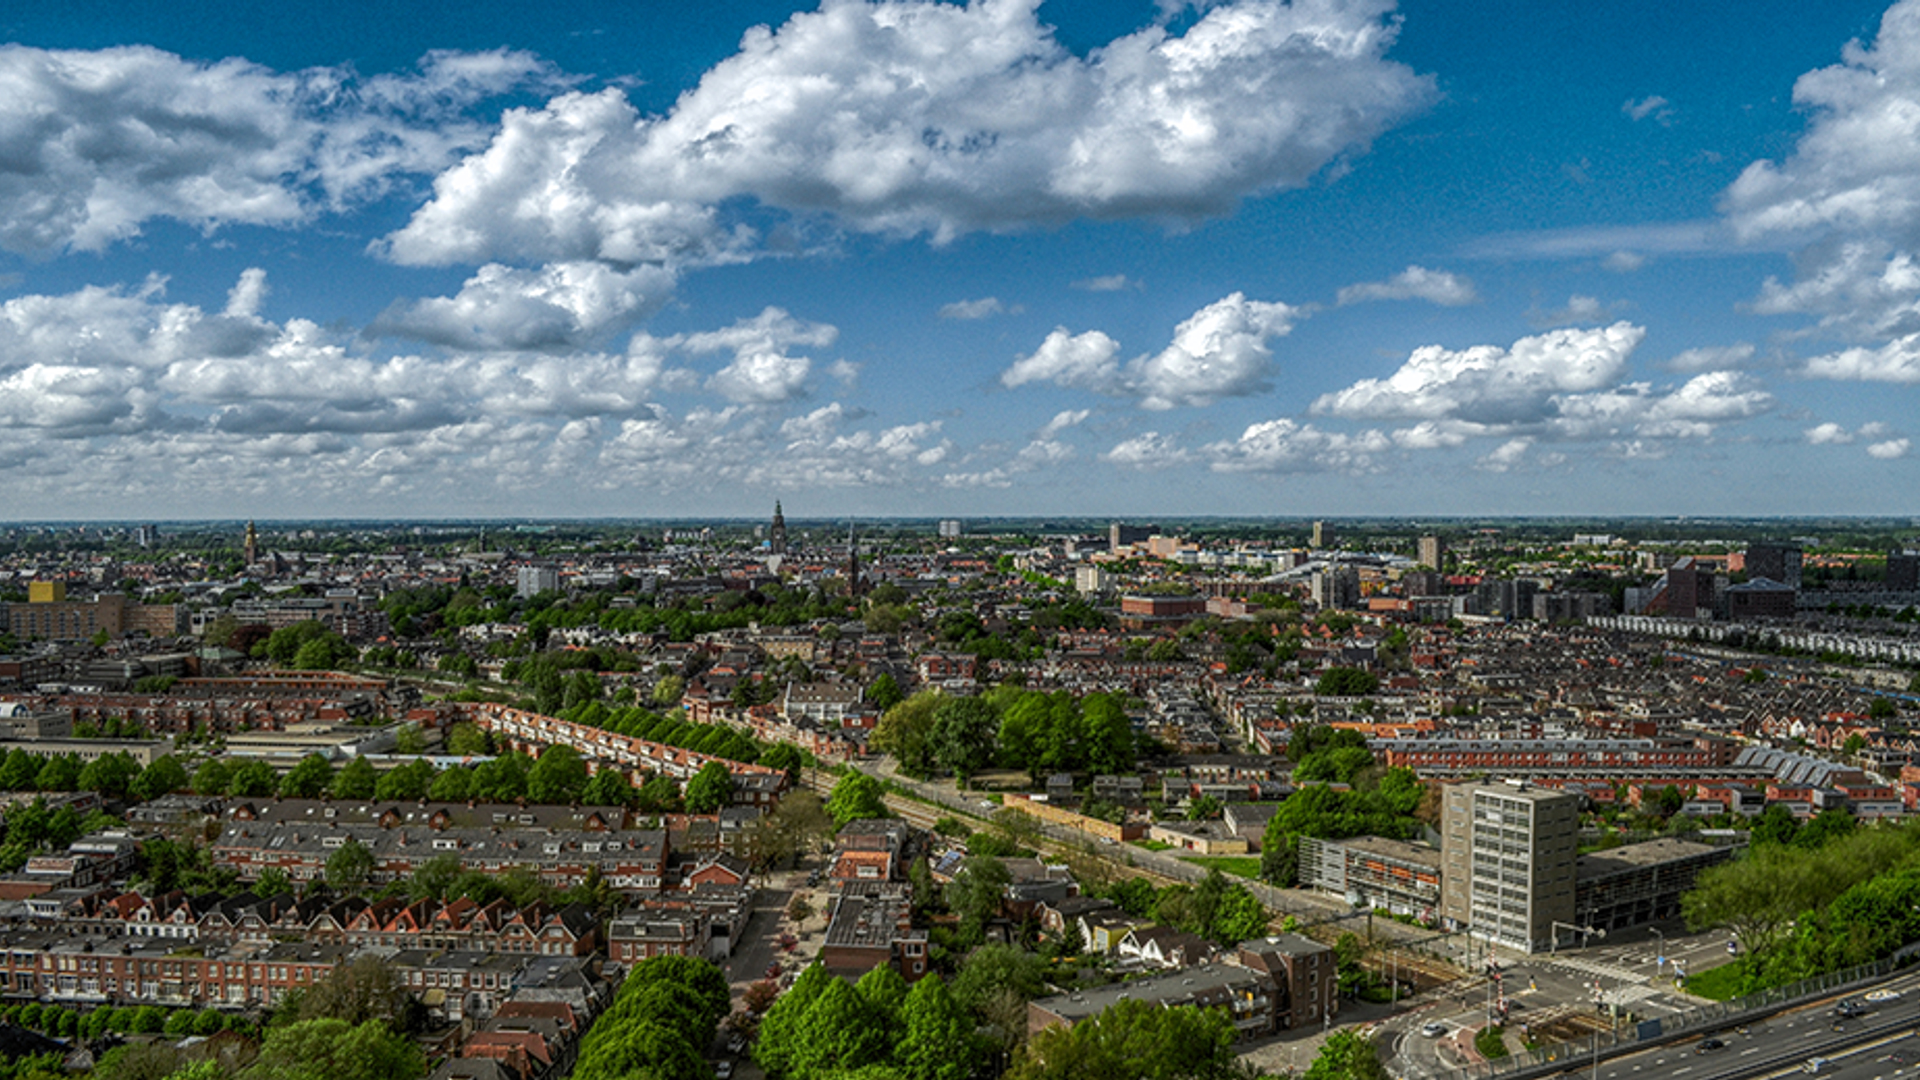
(1660, 958)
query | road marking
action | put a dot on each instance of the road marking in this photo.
(1744, 1053)
(1683, 1072)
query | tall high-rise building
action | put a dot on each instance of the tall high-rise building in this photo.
(777, 534)
(1324, 534)
(1433, 552)
(1903, 571)
(1689, 590)
(251, 548)
(951, 529)
(534, 580)
(1336, 587)
(1507, 854)
(1775, 560)
(1119, 536)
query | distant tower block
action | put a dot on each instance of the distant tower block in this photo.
(1324, 534)
(855, 586)
(251, 549)
(1433, 552)
(777, 535)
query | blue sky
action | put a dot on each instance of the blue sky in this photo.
(932, 259)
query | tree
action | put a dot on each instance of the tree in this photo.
(164, 776)
(855, 796)
(365, 989)
(212, 777)
(710, 789)
(1775, 825)
(20, 770)
(1882, 709)
(410, 781)
(272, 882)
(609, 787)
(355, 780)
(335, 1050)
(977, 893)
(1133, 1040)
(112, 775)
(435, 878)
(409, 740)
(658, 795)
(669, 690)
(307, 779)
(60, 773)
(836, 1032)
(884, 692)
(937, 1041)
(1346, 1056)
(962, 738)
(906, 732)
(253, 780)
(558, 777)
(451, 785)
(1346, 682)
(350, 866)
(467, 740)
(780, 1029)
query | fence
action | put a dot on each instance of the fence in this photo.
(1714, 1016)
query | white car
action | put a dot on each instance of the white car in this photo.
(1433, 1029)
(1877, 996)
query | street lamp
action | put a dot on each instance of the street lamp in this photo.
(1660, 959)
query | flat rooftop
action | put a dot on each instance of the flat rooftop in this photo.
(1638, 856)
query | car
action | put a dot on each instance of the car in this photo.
(723, 1070)
(1708, 1046)
(1815, 1065)
(1883, 995)
(1433, 1029)
(1849, 1009)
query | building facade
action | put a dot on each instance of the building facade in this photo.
(1508, 860)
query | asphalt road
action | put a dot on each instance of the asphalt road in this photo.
(1878, 1046)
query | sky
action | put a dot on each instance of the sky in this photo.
(903, 258)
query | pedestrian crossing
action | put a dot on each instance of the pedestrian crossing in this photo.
(1622, 986)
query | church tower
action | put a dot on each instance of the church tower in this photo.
(854, 585)
(251, 549)
(777, 536)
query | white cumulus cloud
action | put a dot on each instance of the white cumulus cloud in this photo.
(1489, 384)
(1415, 283)
(985, 307)
(904, 117)
(1218, 352)
(1891, 449)
(95, 143)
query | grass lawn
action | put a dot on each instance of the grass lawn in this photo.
(1719, 984)
(1152, 845)
(1246, 866)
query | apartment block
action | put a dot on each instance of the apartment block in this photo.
(1508, 857)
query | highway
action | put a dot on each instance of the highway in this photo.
(1880, 1045)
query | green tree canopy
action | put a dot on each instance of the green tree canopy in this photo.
(855, 796)
(335, 1050)
(307, 779)
(558, 777)
(710, 789)
(1133, 1040)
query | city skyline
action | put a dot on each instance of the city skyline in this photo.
(913, 260)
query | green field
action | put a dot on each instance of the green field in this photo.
(1246, 866)
(1718, 984)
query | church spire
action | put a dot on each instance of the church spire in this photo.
(777, 536)
(251, 549)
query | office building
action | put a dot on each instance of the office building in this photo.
(1903, 571)
(1686, 592)
(1775, 560)
(1324, 535)
(1507, 853)
(533, 580)
(1123, 536)
(1433, 552)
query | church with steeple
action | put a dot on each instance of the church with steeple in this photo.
(777, 535)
